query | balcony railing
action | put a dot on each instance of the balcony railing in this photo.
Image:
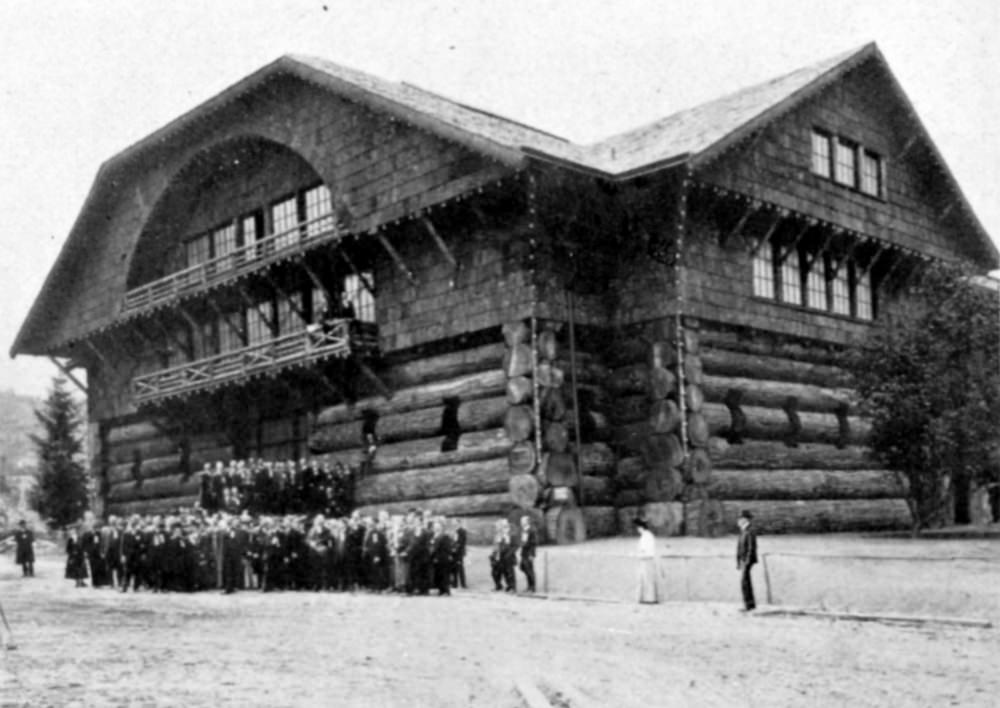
(246, 259)
(336, 338)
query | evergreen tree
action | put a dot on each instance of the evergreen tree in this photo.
(931, 383)
(60, 496)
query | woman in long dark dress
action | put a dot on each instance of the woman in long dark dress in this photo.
(76, 558)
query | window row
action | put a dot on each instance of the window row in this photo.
(814, 280)
(847, 163)
(299, 216)
(294, 314)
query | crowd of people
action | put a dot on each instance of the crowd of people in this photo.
(277, 488)
(197, 550)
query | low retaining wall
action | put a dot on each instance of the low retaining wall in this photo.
(878, 584)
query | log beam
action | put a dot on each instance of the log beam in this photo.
(365, 281)
(232, 324)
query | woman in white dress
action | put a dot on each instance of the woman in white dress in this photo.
(649, 587)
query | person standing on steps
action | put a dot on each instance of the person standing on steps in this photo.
(746, 558)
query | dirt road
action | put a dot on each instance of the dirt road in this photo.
(86, 647)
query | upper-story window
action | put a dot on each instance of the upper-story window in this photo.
(319, 207)
(284, 218)
(224, 243)
(821, 153)
(359, 296)
(197, 250)
(847, 163)
(871, 173)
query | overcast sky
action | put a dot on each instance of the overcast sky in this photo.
(81, 80)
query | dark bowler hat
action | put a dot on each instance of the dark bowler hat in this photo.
(745, 514)
(641, 523)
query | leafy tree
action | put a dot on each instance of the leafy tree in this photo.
(60, 496)
(931, 383)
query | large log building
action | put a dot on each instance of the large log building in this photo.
(653, 323)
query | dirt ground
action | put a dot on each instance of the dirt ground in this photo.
(87, 647)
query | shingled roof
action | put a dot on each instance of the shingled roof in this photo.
(692, 136)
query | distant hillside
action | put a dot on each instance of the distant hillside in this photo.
(17, 422)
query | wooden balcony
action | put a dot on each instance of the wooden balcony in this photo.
(235, 264)
(336, 338)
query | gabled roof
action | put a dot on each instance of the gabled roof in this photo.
(690, 137)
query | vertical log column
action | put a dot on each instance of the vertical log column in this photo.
(520, 421)
(703, 515)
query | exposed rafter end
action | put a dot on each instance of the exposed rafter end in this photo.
(69, 375)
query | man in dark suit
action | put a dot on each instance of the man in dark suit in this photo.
(233, 549)
(130, 552)
(529, 542)
(458, 556)
(746, 557)
(441, 559)
(24, 556)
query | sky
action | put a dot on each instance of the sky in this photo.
(80, 80)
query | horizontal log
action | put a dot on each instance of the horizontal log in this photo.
(155, 467)
(820, 515)
(166, 505)
(668, 515)
(482, 384)
(479, 414)
(466, 505)
(601, 521)
(524, 490)
(754, 454)
(596, 459)
(599, 491)
(772, 424)
(589, 368)
(773, 394)
(519, 390)
(547, 345)
(630, 409)
(517, 360)
(720, 362)
(518, 422)
(522, 458)
(630, 497)
(630, 472)
(738, 342)
(481, 477)
(426, 452)
(133, 432)
(804, 484)
(630, 379)
(443, 366)
(157, 488)
(120, 453)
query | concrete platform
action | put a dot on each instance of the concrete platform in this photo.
(942, 577)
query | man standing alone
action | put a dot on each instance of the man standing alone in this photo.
(746, 557)
(24, 556)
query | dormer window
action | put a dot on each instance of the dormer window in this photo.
(847, 163)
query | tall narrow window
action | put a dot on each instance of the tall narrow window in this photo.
(846, 163)
(816, 285)
(821, 153)
(207, 342)
(791, 279)
(251, 234)
(319, 207)
(285, 218)
(871, 173)
(229, 338)
(863, 296)
(318, 305)
(763, 272)
(223, 244)
(257, 328)
(840, 291)
(197, 250)
(288, 314)
(359, 297)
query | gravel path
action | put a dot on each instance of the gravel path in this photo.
(86, 647)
